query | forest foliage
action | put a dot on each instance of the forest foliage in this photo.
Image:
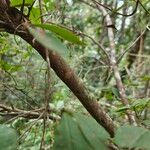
(74, 74)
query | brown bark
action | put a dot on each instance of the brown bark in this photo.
(12, 23)
(113, 62)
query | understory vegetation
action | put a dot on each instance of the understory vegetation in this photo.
(74, 75)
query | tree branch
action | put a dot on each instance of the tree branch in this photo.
(113, 63)
(32, 114)
(61, 68)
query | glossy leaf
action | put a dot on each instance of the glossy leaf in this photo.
(62, 32)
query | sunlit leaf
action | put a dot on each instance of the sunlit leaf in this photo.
(9, 67)
(62, 32)
(35, 15)
(19, 2)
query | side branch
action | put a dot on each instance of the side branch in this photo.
(113, 62)
(16, 113)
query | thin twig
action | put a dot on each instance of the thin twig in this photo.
(128, 48)
(111, 9)
(41, 13)
(98, 44)
(29, 127)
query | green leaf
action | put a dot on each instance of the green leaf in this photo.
(132, 137)
(145, 78)
(19, 2)
(49, 40)
(140, 103)
(93, 132)
(62, 32)
(35, 15)
(115, 92)
(147, 123)
(123, 109)
(8, 138)
(9, 67)
(144, 141)
(79, 132)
